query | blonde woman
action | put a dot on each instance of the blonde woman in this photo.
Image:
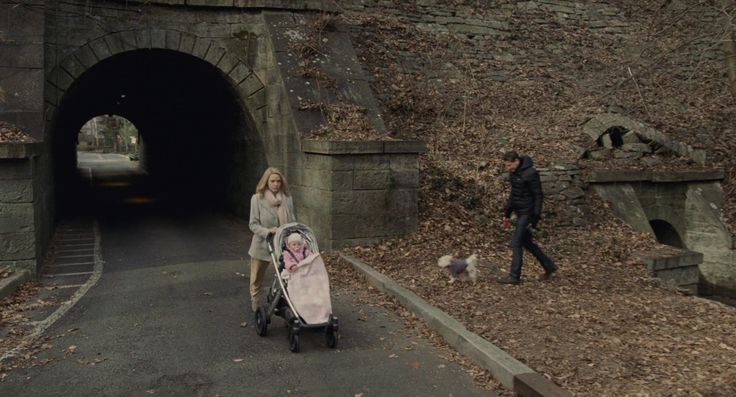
(270, 208)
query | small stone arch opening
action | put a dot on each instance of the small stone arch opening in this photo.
(616, 136)
(666, 233)
(192, 126)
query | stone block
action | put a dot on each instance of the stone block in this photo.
(115, 43)
(250, 84)
(128, 40)
(620, 154)
(402, 201)
(186, 45)
(72, 66)
(99, 47)
(16, 217)
(23, 89)
(28, 55)
(214, 55)
(606, 141)
(547, 177)
(317, 162)
(359, 202)
(341, 180)
(404, 179)
(404, 162)
(86, 57)
(342, 163)
(227, 65)
(257, 100)
(60, 78)
(17, 246)
(158, 38)
(201, 46)
(16, 168)
(22, 264)
(371, 162)
(636, 147)
(600, 155)
(413, 147)
(16, 191)
(630, 137)
(358, 226)
(679, 276)
(573, 192)
(370, 179)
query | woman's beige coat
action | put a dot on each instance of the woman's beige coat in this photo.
(262, 218)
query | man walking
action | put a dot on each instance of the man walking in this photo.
(526, 201)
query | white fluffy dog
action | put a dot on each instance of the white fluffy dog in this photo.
(460, 269)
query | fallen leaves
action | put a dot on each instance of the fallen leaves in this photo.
(9, 133)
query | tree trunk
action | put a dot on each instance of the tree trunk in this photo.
(729, 46)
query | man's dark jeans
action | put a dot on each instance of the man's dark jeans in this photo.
(523, 239)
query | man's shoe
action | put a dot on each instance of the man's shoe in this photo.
(548, 275)
(509, 280)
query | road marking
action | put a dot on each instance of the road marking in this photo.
(43, 325)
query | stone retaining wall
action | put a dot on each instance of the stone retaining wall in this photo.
(678, 269)
(564, 197)
(24, 206)
(358, 192)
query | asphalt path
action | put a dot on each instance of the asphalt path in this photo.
(166, 317)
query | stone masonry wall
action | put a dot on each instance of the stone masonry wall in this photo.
(24, 230)
(21, 65)
(359, 192)
(564, 197)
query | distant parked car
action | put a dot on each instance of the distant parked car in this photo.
(133, 157)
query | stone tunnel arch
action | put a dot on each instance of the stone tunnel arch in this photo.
(666, 233)
(192, 100)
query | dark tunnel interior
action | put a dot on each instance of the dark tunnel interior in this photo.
(666, 233)
(188, 116)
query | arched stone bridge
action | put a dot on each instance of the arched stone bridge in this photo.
(215, 90)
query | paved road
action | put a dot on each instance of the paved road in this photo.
(165, 320)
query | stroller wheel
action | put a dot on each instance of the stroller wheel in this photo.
(293, 341)
(331, 337)
(261, 322)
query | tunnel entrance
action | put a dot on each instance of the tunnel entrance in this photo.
(189, 128)
(666, 233)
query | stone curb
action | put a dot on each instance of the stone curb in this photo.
(511, 373)
(11, 284)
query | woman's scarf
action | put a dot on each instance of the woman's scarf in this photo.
(281, 210)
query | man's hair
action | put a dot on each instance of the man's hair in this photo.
(510, 156)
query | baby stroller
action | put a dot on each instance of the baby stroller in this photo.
(307, 304)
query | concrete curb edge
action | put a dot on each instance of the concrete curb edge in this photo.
(510, 372)
(9, 285)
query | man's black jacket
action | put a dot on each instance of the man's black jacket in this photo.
(526, 191)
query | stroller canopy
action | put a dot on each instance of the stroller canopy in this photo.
(283, 232)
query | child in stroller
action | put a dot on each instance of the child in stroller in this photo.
(300, 293)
